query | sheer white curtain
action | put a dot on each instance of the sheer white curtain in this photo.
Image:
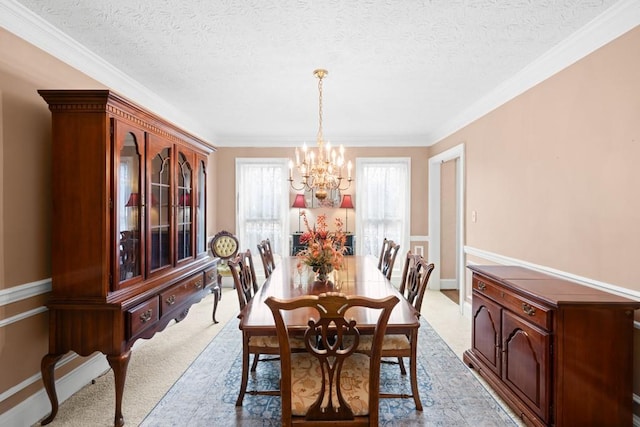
(263, 197)
(382, 203)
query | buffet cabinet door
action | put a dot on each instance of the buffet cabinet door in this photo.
(486, 331)
(127, 202)
(525, 362)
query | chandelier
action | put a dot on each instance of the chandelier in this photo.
(321, 169)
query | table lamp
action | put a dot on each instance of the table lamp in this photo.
(300, 204)
(347, 203)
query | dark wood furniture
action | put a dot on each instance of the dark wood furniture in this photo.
(314, 376)
(359, 276)
(296, 246)
(244, 279)
(557, 352)
(388, 255)
(415, 280)
(223, 246)
(266, 255)
(129, 245)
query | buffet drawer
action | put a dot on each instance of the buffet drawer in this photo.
(532, 312)
(174, 296)
(143, 316)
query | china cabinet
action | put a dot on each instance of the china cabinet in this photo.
(129, 249)
(559, 353)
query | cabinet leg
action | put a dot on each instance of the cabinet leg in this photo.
(47, 367)
(119, 363)
(217, 296)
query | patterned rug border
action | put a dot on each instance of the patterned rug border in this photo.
(205, 394)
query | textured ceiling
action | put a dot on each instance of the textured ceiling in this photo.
(242, 71)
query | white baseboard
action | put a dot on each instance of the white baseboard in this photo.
(447, 284)
(36, 407)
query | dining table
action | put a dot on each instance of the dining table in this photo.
(358, 276)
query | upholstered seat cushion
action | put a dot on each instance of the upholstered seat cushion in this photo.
(224, 270)
(306, 378)
(389, 342)
(272, 341)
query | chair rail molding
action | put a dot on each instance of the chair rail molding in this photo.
(28, 290)
(505, 260)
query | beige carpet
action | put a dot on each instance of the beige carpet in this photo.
(154, 366)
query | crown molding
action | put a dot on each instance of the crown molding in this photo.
(20, 21)
(619, 19)
(30, 27)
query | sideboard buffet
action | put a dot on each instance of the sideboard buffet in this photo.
(129, 243)
(559, 353)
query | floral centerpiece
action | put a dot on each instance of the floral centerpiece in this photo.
(324, 249)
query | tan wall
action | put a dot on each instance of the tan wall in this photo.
(25, 220)
(553, 174)
(557, 168)
(448, 201)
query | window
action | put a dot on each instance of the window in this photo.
(382, 203)
(263, 198)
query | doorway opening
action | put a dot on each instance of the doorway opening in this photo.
(436, 234)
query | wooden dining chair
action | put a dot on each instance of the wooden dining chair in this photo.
(244, 278)
(415, 280)
(330, 383)
(388, 256)
(266, 255)
(224, 245)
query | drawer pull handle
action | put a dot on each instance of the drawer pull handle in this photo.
(146, 316)
(482, 286)
(531, 311)
(198, 284)
(171, 300)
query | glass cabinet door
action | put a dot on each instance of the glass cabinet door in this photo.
(184, 215)
(160, 204)
(201, 205)
(129, 143)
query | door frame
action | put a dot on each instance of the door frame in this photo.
(435, 162)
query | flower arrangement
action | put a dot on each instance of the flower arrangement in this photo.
(324, 249)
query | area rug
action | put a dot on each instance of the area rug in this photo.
(205, 395)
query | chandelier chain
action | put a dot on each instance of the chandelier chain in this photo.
(320, 136)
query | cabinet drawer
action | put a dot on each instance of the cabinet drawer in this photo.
(143, 316)
(532, 312)
(210, 276)
(180, 292)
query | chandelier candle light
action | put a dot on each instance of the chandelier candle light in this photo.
(321, 170)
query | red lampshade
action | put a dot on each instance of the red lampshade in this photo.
(134, 200)
(347, 203)
(299, 202)
(185, 200)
